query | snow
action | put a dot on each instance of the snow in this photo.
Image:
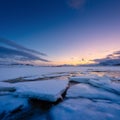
(87, 91)
(48, 90)
(85, 109)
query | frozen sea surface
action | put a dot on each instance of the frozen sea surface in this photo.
(93, 93)
(85, 109)
(48, 90)
(12, 72)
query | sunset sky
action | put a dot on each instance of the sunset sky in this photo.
(68, 31)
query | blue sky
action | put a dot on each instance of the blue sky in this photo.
(68, 31)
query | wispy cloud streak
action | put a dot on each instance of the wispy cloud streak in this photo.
(19, 53)
(19, 47)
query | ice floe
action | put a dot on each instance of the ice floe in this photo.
(35, 77)
(87, 91)
(5, 84)
(83, 79)
(48, 90)
(103, 82)
(106, 83)
(10, 104)
(6, 87)
(84, 109)
(92, 97)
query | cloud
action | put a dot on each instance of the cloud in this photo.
(11, 53)
(111, 59)
(19, 47)
(117, 52)
(76, 3)
(18, 53)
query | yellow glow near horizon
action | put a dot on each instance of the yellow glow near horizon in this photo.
(68, 60)
(62, 62)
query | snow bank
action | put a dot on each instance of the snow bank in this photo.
(48, 90)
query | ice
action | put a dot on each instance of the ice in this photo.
(46, 76)
(82, 79)
(12, 72)
(4, 86)
(8, 73)
(9, 104)
(87, 91)
(84, 109)
(33, 77)
(92, 97)
(55, 75)
(48, 90)
(106, 83)
(103, 82)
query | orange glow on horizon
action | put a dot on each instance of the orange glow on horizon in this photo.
(68, 60)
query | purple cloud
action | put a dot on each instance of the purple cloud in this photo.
(111, 59)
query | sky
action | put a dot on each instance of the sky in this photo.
(68, 31)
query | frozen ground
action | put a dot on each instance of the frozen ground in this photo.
(93, 93)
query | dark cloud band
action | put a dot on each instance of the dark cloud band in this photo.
(15, 45)
(19, 53)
